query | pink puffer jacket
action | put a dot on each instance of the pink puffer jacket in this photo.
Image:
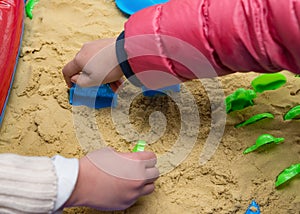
(233, 35)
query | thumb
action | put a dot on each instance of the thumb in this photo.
(83, 80)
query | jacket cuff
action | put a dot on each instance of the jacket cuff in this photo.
(67, 173)
(123, 62)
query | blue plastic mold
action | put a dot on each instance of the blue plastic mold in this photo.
(94, 97)
(130, 7)
(162, 91)
(253, 208)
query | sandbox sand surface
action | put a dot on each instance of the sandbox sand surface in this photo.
(39, 121)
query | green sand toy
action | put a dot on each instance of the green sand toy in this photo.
(266, 82)
(293, 113)
(239, 99)
(262, 140)
(255, 119)
(287, 174)
(140, 146)
(29, 7)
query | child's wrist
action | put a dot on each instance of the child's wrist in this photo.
(81, 185)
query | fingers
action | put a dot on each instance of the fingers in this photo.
(73, 70)
(95, 64)
(152, 174)
(75, 78)
(148, 189)
(120, 164)
(70, 70)
(83, 80)
(141, 155)
(148, 158)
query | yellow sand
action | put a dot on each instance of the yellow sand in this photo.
(39, 121)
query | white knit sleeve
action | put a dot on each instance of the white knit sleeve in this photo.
(27, 184)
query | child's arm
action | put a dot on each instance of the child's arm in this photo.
(44, 185)
(110, 180)
(233, 35)
(196, 39)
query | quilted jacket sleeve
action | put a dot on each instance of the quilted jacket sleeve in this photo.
(205, 38)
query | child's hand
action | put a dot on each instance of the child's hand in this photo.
(109, 180)
(95, 64)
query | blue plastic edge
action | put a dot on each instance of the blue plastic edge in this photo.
(93, 97)
(162, 91)
(129, 12)
(122, 9)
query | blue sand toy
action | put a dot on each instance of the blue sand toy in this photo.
(253, 208)
(93, 97)
(131, 6)
(162, 91)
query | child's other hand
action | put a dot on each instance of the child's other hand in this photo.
(95, 64)
(110, 180)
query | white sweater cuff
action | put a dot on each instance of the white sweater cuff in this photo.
(67, 173)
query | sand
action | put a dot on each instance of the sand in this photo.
(40, 121)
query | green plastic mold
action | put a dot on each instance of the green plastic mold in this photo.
(263, 140)
(266, 82)
(29, 7)
(239, 99)
(255, 119)
(287, 174)
(292, 113)
(140, 146)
